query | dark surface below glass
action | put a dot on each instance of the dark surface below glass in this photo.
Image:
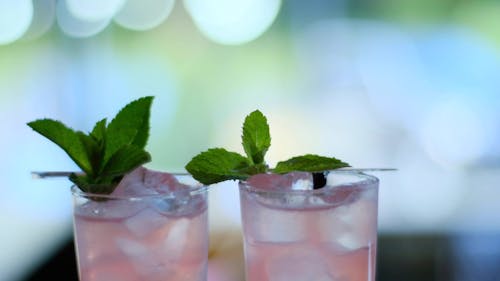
(400, 258)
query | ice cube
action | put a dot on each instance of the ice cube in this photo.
(132, 248)
(280, 225)
(145, 259)
(284, 222)
(161, 182)
(174, 196)
(302, 184)
(329, 226)
(334, 178)
(359, 224)
(133, 184)
(145, 222)
(177, 204)
(110, 209)
(142, 181)
(177, 238)
(299, 266)
(294, 180)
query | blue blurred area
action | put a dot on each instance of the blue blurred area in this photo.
(405, 84)
(476, 257)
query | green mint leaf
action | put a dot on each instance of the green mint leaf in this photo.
(130, 126)
(65, 138)
(107, 153)
(125, 159)
(256, 138)
(93, 150)
(254, 169)
(308, 163)
(81, 181)
(87, 185)
(216, 165)
(99, 131)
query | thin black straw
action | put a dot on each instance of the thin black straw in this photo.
(319, 180)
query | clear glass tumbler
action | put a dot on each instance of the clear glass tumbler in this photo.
(325, 234)
(152, 237)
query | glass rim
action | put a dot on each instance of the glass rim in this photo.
(194, 189)
(367, 180)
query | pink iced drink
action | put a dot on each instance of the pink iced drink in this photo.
(151, 228)
(295, 233)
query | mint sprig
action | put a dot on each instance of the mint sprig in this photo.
(109, 151)
(217, 164)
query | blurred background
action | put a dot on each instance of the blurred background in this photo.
(413, 85)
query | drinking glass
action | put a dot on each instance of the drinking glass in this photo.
(324, 234)
(149, 237)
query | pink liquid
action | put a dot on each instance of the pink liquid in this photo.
(310, 236)
(146, 246)
(303, 261)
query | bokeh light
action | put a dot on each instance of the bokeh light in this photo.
(233, 22)
(143, 14)
(77, 27)
(93, 10)
(15, 19)
(43, 19)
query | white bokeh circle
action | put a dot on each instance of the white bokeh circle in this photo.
(76, 27)
(15, 19)
(143, 14)
(44, 15)
(233, 22)
(94, 10)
